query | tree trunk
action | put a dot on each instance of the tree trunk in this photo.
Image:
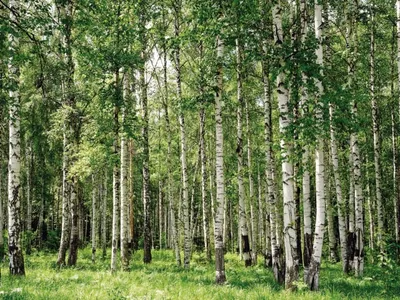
(377, 158)
(94, 218)
(104, 217)
(147, 237)
(339, 195)
(245, 245)
(171, 202)
(290, 236)
(14, 162)
(220, 277)
(125, 251)
(355, 153)
(116, 180)
(185, 193)
(278, 263)
(204, 198)
(74, 240)
(329, 211)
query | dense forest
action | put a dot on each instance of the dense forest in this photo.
(264, 129)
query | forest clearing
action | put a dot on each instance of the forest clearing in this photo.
(210, 149)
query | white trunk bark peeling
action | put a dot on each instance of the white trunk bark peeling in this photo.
(185, 192)
(313, 273)
(306, 182)
(245, 245)
(220, 277)
(290, 236)
(116, 187)
(125, 255)
(94, 218)
(339, 195)
(377, 157)
(14, 161)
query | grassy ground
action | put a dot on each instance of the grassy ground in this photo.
(162, 280)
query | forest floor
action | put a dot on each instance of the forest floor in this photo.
(163, 280)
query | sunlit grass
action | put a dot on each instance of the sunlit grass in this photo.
(163, 280)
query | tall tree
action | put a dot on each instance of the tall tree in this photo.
(17, 266)
(290, 239)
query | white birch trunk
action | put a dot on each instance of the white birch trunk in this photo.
(274, 246)
(245, 245)
(104, 216)
(185, 193)
(171, 202)
(313, 273)
(307, 227)
(125, 252)
(220, 277)
(377, 163)
(339, 195)
(116, 184)
(14, 161)
(290, 236)
(94, 218)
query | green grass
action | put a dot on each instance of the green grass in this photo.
(163, 280)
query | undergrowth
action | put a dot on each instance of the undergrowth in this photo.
(162, 279)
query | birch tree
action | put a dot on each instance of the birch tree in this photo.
(16, 257)
(245, 244)
(290, 239)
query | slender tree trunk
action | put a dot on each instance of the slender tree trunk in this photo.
(14, 162)
(245, 245)
(355, 153)
(329, 211)
(116, 180)
(290, 236)
(377, 163)
(370, 209)
(307, 232)
(220, 276)
(74, 240)
(147, 237)
(104, 217)
(125, 251)
(131, 196)
(339, 196)
(29, 171)
(278, 263)
(185, 193)
(251, 188)
(94, 218)
(204, 198)
(69, 100)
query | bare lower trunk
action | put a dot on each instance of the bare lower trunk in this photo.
(116, 181)
(125, 251)
(16, 266)
(74, 240)
(339, 195)
(171, 202)
(220, 276)
(278, 264)
(290, 236)
(185, 193)
(94, 218)
(245, 246)
(104, 217)
(375, 123)
(65, 221)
